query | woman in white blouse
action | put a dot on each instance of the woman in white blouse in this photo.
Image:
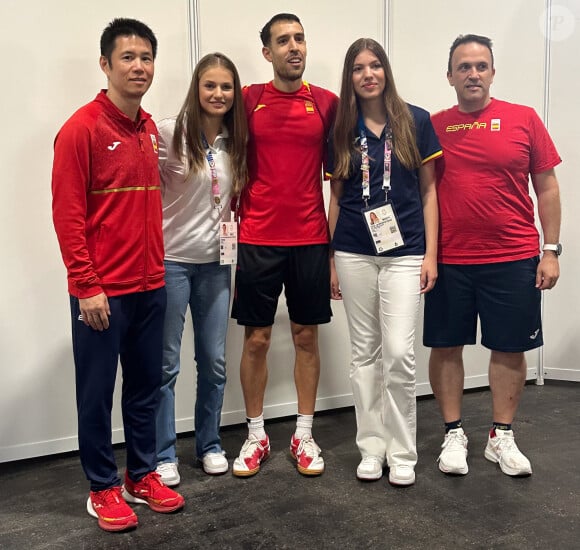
(202, 162)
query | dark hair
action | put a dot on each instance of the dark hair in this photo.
(266, 32)
(188, 123)
(398, 114)
(466, 39)
(125, 27)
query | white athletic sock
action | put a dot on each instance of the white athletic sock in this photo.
(303, 425)
(256, 427)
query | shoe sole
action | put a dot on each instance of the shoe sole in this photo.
(106, 526)
(492, 457)
(210, 472)
(454, 472)
(253, 472)
(309, 472)
(306, 471)
(246, 473)
(401, 482)
(369, 477)
(155, 507)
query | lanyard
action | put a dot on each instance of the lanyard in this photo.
(365, 163)
(215, 187)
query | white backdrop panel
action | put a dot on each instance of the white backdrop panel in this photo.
(561, 307)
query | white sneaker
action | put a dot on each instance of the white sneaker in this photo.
(215, 463)
(401, 475)
(370, 468)
(169, 473)
(453, 457)
(253, 453)
(307, 455)
(502, 449)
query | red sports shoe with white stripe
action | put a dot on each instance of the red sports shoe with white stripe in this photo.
(110, 508)
(152, 491)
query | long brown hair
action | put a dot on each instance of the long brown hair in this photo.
(399, 116)
(188, 124)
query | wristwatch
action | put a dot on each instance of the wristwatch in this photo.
(555, 248)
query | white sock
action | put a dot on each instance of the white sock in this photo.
(256, 427)
(303, 425)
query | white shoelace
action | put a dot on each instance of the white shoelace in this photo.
(507, 444)
(309, 447)
(454, 442)
(249, 446)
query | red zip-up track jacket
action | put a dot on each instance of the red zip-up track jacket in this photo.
(107, 201)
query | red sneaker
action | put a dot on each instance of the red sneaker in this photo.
(109, 507)
(152, 491)
(253, 453)
(307, 455)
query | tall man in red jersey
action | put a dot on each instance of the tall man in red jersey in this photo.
(490, 264)
(107, 216)
(283, 238)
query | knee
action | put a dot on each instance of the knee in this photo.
(399, 365)
(212, 370)
(169, 374)
(257, 342)
(446, 355)
(403, 356)
(514, 361)
(213, 377)
(305, 338)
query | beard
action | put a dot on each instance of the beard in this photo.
(288, 74)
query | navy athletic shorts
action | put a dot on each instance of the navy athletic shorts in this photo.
(263, 270)
(503, 295)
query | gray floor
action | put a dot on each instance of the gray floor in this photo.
(43, 501)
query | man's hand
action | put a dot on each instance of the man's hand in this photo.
(548, 271)
(95, 311)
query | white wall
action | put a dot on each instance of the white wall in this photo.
(562, 306)
(51, 68)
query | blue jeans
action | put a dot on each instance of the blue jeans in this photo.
(206, 288)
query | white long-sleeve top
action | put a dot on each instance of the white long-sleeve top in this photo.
(190, 221)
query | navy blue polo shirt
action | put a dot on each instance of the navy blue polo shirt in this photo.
(351, 233)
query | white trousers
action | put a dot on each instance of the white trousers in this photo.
(381, 299)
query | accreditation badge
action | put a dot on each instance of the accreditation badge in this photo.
(383, 227)
(228, 243)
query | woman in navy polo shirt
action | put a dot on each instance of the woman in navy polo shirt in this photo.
(383, 221)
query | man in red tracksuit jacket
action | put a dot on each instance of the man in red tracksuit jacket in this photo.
(107, 216)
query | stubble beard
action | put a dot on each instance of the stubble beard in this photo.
(290, 76)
